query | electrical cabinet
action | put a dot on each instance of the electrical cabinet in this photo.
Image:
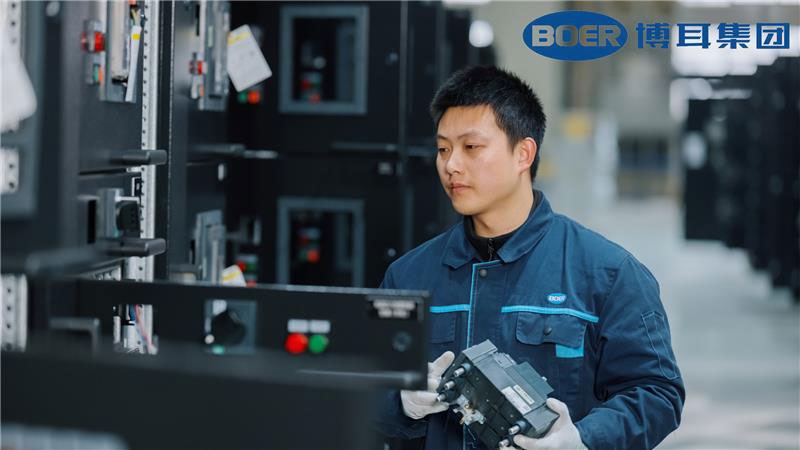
(741, 175)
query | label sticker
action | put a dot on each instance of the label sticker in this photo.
(246, 63)
(232, 276)
(516, 400)
(133, 65)
(320, 326)
(523, 394)
(298, 326)
(19, 99)
(392, 308)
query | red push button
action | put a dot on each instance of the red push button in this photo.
(253, 97)
(296, 343)
(93, 42)
(99, 42)
(196, 67)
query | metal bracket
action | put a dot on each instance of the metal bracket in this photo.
(140, 247)
(87, 325)
(143, 268)
(9, 170)
(110, 273)
(13, 15)
(14, 313)
(141, 158)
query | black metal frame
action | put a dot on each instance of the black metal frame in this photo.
(166, 402)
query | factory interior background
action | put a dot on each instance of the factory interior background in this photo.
(142, 161)
(619, 157)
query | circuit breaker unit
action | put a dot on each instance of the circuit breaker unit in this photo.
(496, 397)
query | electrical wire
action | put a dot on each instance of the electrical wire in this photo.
(137, 318)
(142, 331)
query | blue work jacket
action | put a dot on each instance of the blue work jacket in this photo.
(580, 309)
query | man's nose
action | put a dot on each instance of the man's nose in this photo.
(454, 163)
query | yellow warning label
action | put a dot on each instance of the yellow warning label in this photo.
(236, 37)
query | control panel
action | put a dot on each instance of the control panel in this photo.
(311, 323)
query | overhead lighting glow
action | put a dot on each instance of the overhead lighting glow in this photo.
(465, 2)
(480, 34)
(727, 3)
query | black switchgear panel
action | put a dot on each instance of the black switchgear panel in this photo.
(496, 397)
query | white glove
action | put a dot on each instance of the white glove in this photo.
(562, 435)
(418, 404)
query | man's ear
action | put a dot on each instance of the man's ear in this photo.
(526, 153)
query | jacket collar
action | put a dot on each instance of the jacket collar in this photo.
(459, 251)
(487, 247)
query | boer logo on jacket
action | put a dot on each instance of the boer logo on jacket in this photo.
(557, 298)
(575, 35)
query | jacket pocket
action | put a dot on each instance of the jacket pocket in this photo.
(658, 335)
(566, 332)
(443, 327)
(558, 339)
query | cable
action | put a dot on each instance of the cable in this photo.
(140, 323)
(136, 318)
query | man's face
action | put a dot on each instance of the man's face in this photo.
(476, 166)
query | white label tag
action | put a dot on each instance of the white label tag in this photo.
(232, 276)
(246, 63)
(523, 394)
(320, 326)
(516, 400)
(17, 98)
(297, 326)
(133, 66)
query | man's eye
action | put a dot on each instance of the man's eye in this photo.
(471, 146)
(442, 149)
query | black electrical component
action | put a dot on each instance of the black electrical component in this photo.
(496, 397)
(128, 218)
(227, 328)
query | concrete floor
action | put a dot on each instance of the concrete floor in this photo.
(736, 339)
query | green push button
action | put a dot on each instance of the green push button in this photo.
(242, 97)
(218, 349)
(317, 343)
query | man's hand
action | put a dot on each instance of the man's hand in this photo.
(562, 436)
(418, 404)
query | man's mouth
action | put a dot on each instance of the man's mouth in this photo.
(458, 187)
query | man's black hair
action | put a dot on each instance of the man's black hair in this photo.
(516, 107)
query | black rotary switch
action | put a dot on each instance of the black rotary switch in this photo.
(227, 328)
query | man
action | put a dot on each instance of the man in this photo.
(580, 309)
